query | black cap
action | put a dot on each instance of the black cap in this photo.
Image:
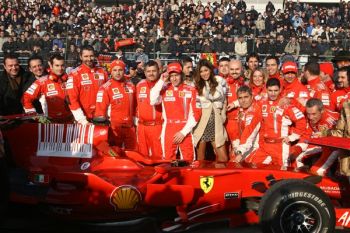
(342, 56)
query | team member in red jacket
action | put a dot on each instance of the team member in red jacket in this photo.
(292, 87)
(52, 87)
(83, 85)
(179, 110)
(315, 86)
(248, 124)
(271, 63)
(223, 68)
(319, 121)
(149, 116)
(276, 128)
(327, 74)
(118, 95)
(257, 84)
(234, 80)
(340, 94)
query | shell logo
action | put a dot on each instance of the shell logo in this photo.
(125, 197)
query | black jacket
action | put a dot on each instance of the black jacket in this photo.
(10, 101)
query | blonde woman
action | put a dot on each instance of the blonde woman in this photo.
(257, 82)
(212, 100)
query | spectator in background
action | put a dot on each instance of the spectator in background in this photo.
(241, 46)
(293, 47)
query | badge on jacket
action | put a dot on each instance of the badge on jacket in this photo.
(50, 87)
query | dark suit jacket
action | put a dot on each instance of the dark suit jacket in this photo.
(10, 101)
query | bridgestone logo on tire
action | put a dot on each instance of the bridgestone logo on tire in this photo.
(303, 194)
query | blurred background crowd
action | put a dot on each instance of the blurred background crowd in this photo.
(167, 29)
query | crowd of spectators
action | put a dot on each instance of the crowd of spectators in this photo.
(167, 26)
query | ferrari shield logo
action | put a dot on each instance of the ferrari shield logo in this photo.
(207, 183)
(273, 109)
(181, 94)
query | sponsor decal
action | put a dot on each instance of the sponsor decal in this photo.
(181, 94)
(96, 76)
(142, 95)
(118, 96)
(231, 195)
(50, 87)
(264, 108)
(291, 94)
(86, 82)
(115, 91)
(169, 99)
(85, 166)
(41, 178)
(125, 197)
(70, 140)
(50, 93)
(344, 219)
(143, 90)
(169, 93)
(207, 183)
(61, 210)
(32, 88)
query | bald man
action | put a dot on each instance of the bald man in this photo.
(234, 81)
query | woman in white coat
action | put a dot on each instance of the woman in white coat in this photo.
(212, 100)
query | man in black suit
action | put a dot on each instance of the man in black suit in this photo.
(14, 81)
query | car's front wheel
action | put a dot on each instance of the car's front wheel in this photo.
(296, 206)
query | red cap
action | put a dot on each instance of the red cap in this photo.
(327, 68)
(119, 63)
(289, 66)
(174, 67)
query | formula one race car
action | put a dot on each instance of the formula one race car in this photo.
(72, 170)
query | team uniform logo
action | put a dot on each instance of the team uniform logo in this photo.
(169, 93)
(273, 109)
(50, 87)
(115, 91)
(207, 183)
(143, 90)
(85, 77)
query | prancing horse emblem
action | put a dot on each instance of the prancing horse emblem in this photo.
(207, 183)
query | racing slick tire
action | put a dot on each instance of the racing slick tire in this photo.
(296, 206)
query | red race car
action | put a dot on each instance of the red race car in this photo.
(73, 171)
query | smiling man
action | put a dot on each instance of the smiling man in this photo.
(52, 88)
(83, 85)
(118, 95)
(276, 128)
(247, 119)
(180, 113)
(14, 81)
